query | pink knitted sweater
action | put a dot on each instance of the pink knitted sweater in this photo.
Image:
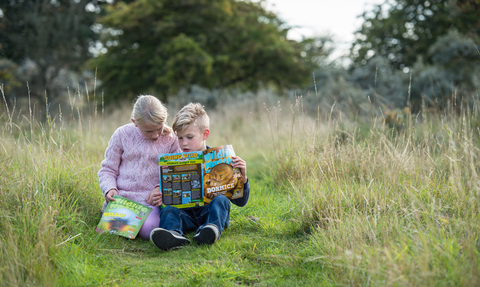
(131, 163)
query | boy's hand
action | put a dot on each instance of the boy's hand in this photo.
(242, 165)
(154, 198)
(110, 194)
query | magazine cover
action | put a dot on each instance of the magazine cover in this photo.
(181, 179)
(219, 176)
(123, 217)
(195, 178)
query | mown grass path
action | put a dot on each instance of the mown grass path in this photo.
(262, 246)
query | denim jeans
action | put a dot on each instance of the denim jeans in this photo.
(181, 220)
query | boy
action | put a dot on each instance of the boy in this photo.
(191, 124)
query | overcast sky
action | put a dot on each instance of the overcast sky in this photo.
(321, 17)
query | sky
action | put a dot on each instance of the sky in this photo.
(321, 17)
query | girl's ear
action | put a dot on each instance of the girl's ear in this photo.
(206, 133)
(133, 121)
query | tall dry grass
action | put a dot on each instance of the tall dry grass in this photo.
(48, 187)
(381, 205)
(50, 199)
(389, 207)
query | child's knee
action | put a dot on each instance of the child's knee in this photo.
(221, 200)
(169, 210)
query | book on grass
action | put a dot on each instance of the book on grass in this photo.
(123, 217)
(191, 179)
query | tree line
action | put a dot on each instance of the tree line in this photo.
(163, 46)
(436, 40)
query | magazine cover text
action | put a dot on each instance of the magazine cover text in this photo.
(218, 174)
(123, 217)
(181, 179)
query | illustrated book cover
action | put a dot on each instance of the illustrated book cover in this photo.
(123, 217)
(195, 178)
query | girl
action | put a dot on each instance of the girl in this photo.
(130, 167)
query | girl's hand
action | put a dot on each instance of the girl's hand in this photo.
(154, 198)
(110, 194)
(242, 165)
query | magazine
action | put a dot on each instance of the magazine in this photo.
(194, 178)
(123, 217)
(181, 181)
(218, 174)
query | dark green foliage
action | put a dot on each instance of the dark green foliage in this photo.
(405, 29)
(452, 74)
(162, 46)
(8, 70)
(382, 82)
(376, 84)
(331, 88)
(45, 36)
(433, 85)
(457, 54)
(436, 40)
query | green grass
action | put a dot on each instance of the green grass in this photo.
(334, 202)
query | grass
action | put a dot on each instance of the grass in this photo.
(335, 201)
(390, 208)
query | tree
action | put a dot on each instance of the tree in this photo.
(454, 70)
(160, 46)
(384, 84)
(50, 35)
(403, 30)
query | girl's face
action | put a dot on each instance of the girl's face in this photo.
(192, 139)
(149, 130)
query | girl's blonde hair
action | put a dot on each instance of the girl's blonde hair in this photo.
(149, 109)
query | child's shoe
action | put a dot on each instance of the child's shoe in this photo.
(207, 235)
(167, 239)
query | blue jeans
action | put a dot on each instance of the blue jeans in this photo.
(181, 220)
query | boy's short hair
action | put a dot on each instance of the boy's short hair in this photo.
(192, 113)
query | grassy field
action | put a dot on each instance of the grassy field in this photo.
(336, 201)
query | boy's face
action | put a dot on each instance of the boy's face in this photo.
(193, 139)
(150, 131)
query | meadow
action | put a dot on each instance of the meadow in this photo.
(338, 199)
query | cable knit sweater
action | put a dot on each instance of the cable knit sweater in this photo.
(131, 163)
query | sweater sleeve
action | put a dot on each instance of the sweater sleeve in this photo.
(110, 166)
(246, 194)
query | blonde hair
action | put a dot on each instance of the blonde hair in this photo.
(191, 114)
(149, 109)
